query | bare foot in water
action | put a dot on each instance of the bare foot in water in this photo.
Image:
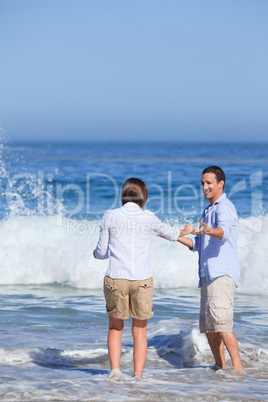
(115, 373)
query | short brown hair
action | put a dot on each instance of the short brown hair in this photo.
(134, 190)
(219, 173)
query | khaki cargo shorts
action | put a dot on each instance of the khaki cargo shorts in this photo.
(216, 307)
(124, 297)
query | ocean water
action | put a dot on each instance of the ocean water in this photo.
(53, 320)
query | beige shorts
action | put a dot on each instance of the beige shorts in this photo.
(216, 307)
(124, 297)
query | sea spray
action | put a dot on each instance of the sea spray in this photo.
(35, 250)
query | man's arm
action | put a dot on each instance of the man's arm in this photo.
(217, 233)
(184, 232)
(186, 242)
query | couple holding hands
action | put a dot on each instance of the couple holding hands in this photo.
(128, 282)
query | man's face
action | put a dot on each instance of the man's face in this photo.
(211, 188)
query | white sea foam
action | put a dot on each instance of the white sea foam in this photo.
(50, 356)
(180, 348)
(34, 250)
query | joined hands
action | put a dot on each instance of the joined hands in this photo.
(189, 229)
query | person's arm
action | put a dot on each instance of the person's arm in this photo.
(217, 233)
(186, 241)
(162, 229)
(226, 218)
(94, 255)
(102, 250)
(171, 233)
(184, 232)
(187, 230)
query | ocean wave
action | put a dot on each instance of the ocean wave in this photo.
(180, 349)
(52, 249)
(50, 356)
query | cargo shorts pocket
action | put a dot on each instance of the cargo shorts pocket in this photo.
(219, 312)
(145, 290)
(109, 290)
(145, 296)
(146, 287)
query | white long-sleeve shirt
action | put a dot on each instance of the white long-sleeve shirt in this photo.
(124, 239)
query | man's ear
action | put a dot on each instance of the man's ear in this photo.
(221, 184)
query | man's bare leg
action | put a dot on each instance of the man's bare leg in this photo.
(217, 347)
(231, 344)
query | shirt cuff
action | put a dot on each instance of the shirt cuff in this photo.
(177, 235)
(100, 256)
(226, 232)
(195, 243)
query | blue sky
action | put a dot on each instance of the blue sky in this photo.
(171, 70)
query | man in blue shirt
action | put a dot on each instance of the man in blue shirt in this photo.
(219, 270)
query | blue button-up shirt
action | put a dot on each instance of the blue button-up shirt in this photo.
(218, 257)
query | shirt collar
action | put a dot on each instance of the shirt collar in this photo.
(131, 205)
(220, 199)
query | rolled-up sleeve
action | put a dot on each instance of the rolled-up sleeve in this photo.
(195, 240)
(102, 250)
(225, 219)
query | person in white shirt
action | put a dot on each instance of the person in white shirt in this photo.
(128, 282)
